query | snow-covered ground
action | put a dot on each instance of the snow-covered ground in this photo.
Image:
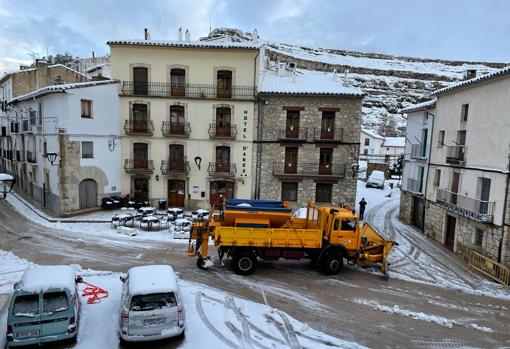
(214, 319)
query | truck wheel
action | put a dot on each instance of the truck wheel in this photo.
(244, 263)
(332, 263)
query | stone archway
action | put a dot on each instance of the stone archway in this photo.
(86, 173)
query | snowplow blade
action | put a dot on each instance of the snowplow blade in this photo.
(374, 247)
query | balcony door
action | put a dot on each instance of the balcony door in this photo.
(176, 193)
(292, 124)
(140, 156)
(224, 84)
(223, 159)
(484, 190)
(140, 81)
(291, 159)
(455, 187)
(327, 125)
(177, 82)
(176, 157)
(220, 190)
(325, 160)
(449, 241)
(140, 118)
(177, 119)
(223, 122)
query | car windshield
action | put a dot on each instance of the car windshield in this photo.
(27, 305)
(348, 224)
(54, 302)
(153, 301)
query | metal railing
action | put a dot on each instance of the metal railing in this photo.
(166, 89)
(315, 170)
(172, 129)
(489, 268)
(456, 154)
(223, 169)
(299, 134)
(418, 151)
(228, 132)
(175, 167)
(139, 166)
(414, 185)
(139, 127)
(31, 158)
(328, 135)
(478, 210)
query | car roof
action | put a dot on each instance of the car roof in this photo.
(152, 279)
(49, 277)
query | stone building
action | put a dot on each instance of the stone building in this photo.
(307, 139)
(467, 191)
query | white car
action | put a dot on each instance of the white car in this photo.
(376, 179)
(151, 304)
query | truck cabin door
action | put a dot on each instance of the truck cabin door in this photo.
(345, 229)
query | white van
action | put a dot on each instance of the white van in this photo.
(151, 304)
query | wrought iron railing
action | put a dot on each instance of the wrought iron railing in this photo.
(139, 127)
(223, 169)
(328, 134)
(456, 154)
(229, 132)
(478, 210)
(418, 151)
(173, 129)
(175, 167)
(315, 170)
(137, 166)
(165, 89)
(299, 134)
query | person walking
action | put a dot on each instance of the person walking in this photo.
(362, 205)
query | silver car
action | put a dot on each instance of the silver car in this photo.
(151, 304)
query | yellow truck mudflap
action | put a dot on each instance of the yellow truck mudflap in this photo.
(374, 248)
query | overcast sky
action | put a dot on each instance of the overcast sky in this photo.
(453, 29)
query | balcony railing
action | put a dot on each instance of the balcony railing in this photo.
(136, 166)
(299, 134)
(478, 210)
(31, 157)
(414, 185)
(222, 169)
(228, 132)
(172, 129)
(456, 154)
(328, 135)
(165, 89)
(175, 167)
(315, 170)
(136, 127)
(418, 151)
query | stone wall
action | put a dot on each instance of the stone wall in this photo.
(406, 205)
(434, 222)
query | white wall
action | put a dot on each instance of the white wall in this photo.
(374, 147)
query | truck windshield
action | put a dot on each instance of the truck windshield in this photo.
(27, 305)
(348, 224)
(153, 301)
(54, 302)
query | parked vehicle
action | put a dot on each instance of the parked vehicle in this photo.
(151, 304)
(44, 307)
(376, 179)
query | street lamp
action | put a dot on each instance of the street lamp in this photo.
(52, 157)
(6, 183)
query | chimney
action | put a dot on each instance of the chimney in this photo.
(179, 36)
(187, 36)
(41, 73)
(146, 34)
(93, 55)
(470, 74)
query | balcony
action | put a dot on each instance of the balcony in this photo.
(175, 167)
(456, 154)
(31, 158)
(221, 169)
(293, 135)
(328, 135)
(172, 129)
(141, 167)
(139, 128)
(418, 152)
(205, 91)
(414, 186)
(313, 170)
(477, 210)
(228, 132)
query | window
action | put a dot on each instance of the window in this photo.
(348, 224)
(440, 140)
(336, 224)
(54, 302)
(464, 113)
(421, 172)
(478, 237)
(86, 108)
(87, 150)
(45, 148)
(289, 191)
(367, 141)
(365, 151)
(323, 192)
(33, 117)
(292, 124)
(461, 137)
(148, 302)
(437, 177)
(27, 305)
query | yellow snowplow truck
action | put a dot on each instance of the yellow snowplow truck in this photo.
(247, 230)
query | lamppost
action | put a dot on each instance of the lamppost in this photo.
(6, 183)
(52, 157)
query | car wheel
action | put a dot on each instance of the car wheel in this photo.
(182, 335)
(367, 186)
(332, 263)
(244, 263)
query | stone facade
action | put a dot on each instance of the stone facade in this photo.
(406, 206)
(271, 146)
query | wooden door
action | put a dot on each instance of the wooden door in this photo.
(455, 187)
(140, 81)
(325, 161)
(140, 156)
(224, 84)
(220, 190)
(223, 122)
(140, 118)
(176, 193)
(223, 159)
(140, 189)
(417, 212)
(450, 232)
(177, 82)
(292, 124)
(88, 193)
(327, 125)
(291, 159)
(176, 157)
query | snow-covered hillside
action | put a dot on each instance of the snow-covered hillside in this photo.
(390, 82)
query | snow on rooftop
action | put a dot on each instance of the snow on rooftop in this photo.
(420, 106)
(481, 78)
(97, 67)
(371, 133)
(305, 82)
(6, 177)
(152, 279)
(394, 142)
(187, 44)
(43, 278)
(60, 88)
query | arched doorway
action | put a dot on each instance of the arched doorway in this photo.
(88, 193)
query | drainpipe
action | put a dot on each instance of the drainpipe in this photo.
(505, 202)
(428, 169)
